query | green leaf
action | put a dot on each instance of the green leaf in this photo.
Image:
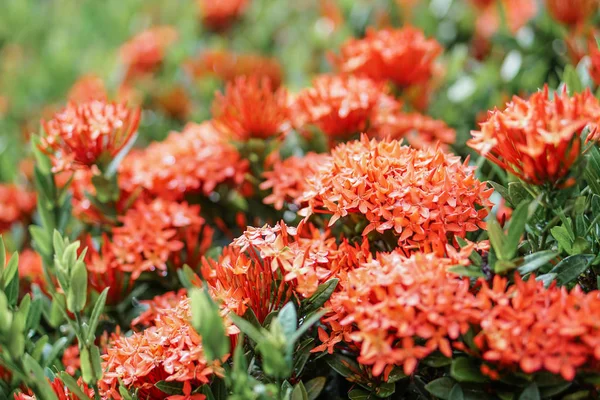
(315, 386)
(456, 393)
(518, 193)
(546, 278)
(186, 275)
(209, 324)
(497, 238)
(306, 324)
(299, 392)
(501, 190)
(77, 293)
(385, 389)
(531, 392)
(55, 350)
(34, 315)
(170, 387)
(532, 262)
(359, 394)
(321, 295)
(437, 360)
(95, 316)
(343, 365)
(562, 237)
(441, 387)
(572, 80)
(10, 272)
(550, 391)
(516, 228)
(2, 254)
(569, 269)
(253, 333)
(288, 319)
(462, 270)
(464, 369)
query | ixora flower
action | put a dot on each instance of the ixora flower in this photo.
(85, 134)
(423, 196)
(339, 105)
(388, 302)
(228, 66)
(419, 130)
(195, 160)
(170, 350)
(287, 178)
(157, 232)
(218, 15)
(572, 12)
(404, 56)
(16, 205)
(235, 111)
(264, 268)
(528, 326)
(87, 88)
(145, 52)
(60, 390)
(539, 139)
(594, 53)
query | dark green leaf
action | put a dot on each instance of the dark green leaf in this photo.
(299, 392)
(95, 316)
(533, 262)
(306, 324)
(288, 319)
(315, 386)
(319, 298)
(464, 369)
(531, 392)
(516, 228)
(571, 267)
(71, 383)
(441, 387)
(170, 387)
(359, 394)
(456, 393)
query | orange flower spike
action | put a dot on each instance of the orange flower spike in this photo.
(404, 56)
(84, 134)
(339, 105)
(538, 140)
(145, 51)
(235, 113)
(16, 205)
(572, 12)
(438, 194)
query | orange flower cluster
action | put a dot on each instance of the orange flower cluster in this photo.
(594, 60)
(16, 205)
(572, 12)
(195, 160)
(404, 56)
(518, 13)
(87, 133)
(423, 196)
(287, 178)
(262, 269)
(389, 301)
(228, 66)
(419, 130)
(537, 329)
(539, 139)
(145, 52)
(218, 15)
(31, 270)
(235, 111)
(156, 233)
(339, 105)
(170, 350)
(87, 88)
(157, 305)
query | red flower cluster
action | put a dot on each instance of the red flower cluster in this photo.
(195, 160)
(572, 12)
(16, 205)
(423, 196)
(419, 130)
(404, 56)
(262, 269)
(287, 178)
(156, 233)
(539, 139)
(235, 111)
(218, 15)
(228, 66)
(170, 350)
(145, 52)
(60, 390)
(87, 133)
(537, 329)
(339, 105)
(86, 89)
